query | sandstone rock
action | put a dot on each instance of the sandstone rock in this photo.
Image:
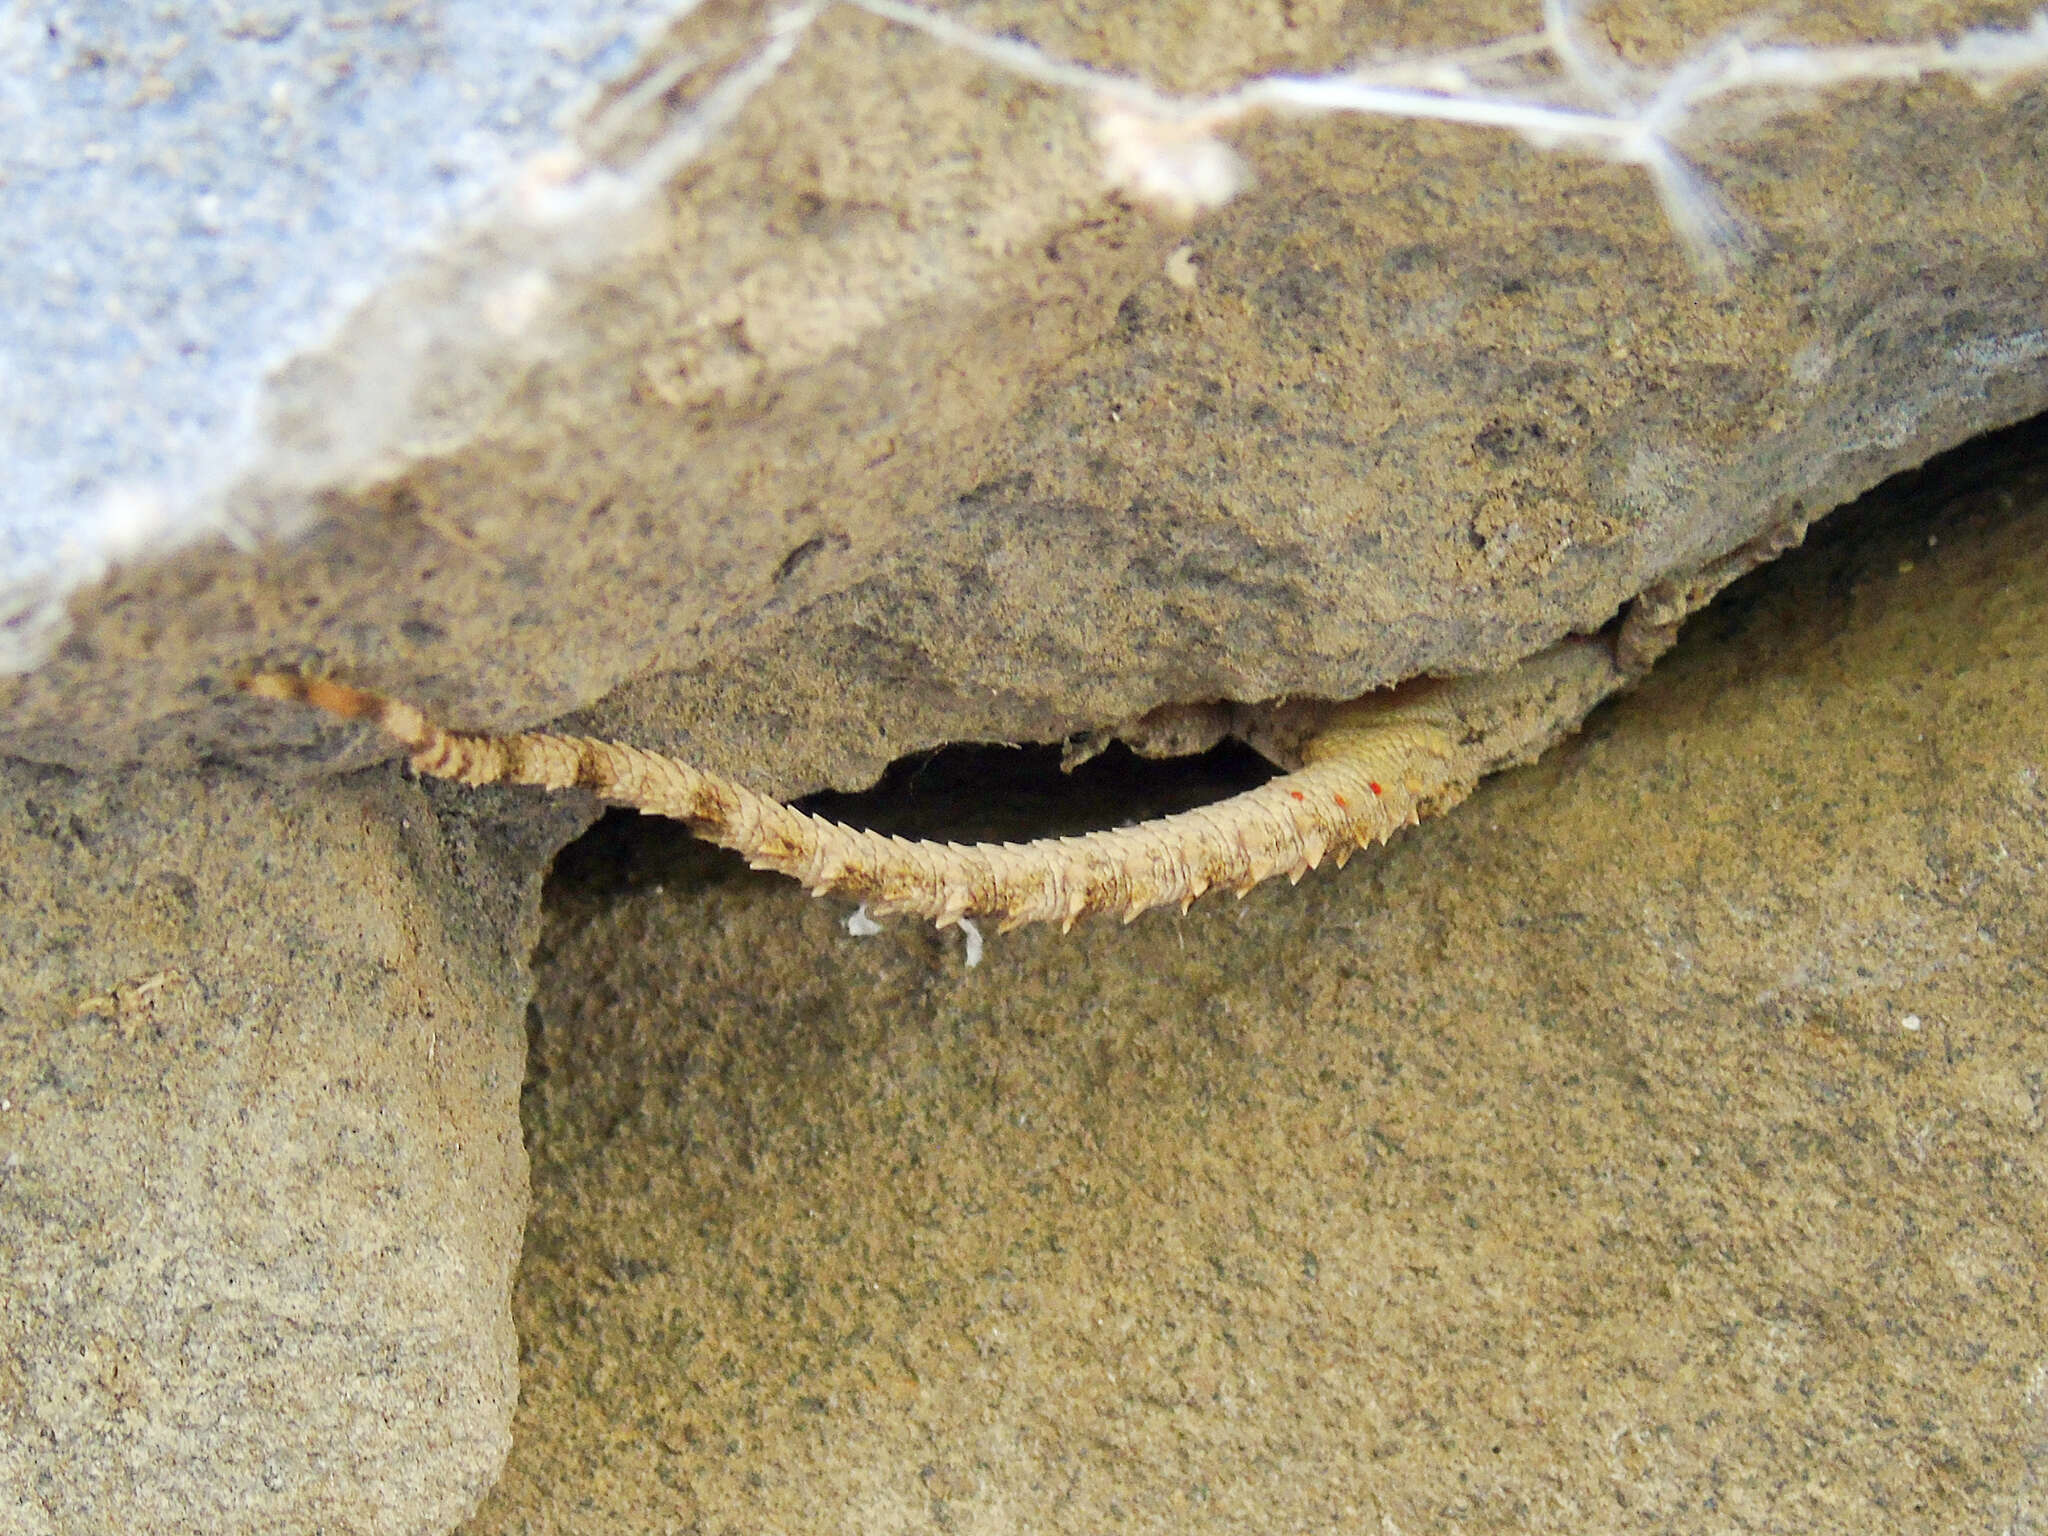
(875, 421)
(1654, 1143)
(261, 1184)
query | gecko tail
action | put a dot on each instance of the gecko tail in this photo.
(1376, 765)
(401, 721)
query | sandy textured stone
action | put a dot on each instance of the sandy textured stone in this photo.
(261, 1183)
(1654, 1144)
(885, 424)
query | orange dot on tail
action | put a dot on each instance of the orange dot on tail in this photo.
(1297, 794)
(1342, 803)
(1374, 786)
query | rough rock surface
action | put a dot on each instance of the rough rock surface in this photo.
(1656, 1143)
(885, 425)
(261, 1184)
(890, 426)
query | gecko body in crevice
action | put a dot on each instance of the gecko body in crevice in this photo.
(1360, 771)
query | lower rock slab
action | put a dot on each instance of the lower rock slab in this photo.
(261, 1182)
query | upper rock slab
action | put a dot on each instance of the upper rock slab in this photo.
(836, 381)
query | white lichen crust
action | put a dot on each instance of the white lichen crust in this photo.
(1367, 769)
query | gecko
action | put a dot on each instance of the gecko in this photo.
(1356, 773)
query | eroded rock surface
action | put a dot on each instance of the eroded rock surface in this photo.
(883, 425)
(1655, 1143)
(261, 1183)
